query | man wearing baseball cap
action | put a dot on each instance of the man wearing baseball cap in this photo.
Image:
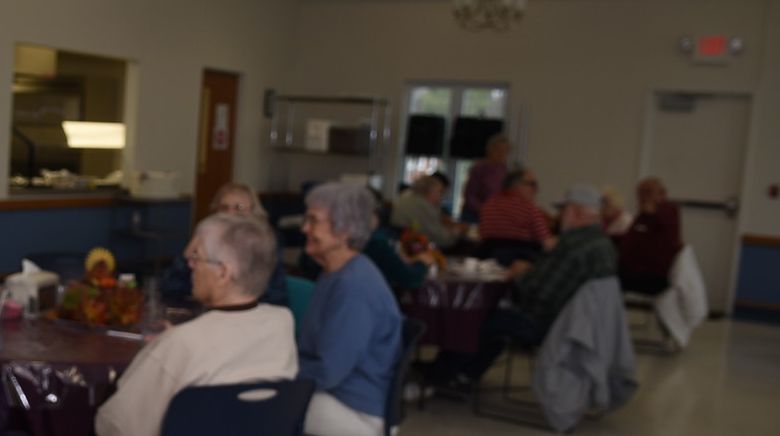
(540, 292)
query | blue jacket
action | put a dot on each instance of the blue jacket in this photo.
(350, 338)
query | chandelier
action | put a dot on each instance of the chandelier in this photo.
(488, 14)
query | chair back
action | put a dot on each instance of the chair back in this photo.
(586, 361)
(221, 409)
(413, 330)
(299, 292)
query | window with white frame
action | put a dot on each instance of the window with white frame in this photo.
(450, 101)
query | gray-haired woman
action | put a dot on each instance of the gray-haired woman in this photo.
(350, 338)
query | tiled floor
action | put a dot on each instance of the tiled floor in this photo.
(727, 382)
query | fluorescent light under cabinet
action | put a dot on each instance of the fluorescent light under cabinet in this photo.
(85, 134)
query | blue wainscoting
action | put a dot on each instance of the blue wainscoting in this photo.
(759, 274)
(165, 229)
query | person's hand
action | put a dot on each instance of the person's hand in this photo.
(649, 206)
(549, 243)
(518, 267)
(425, 257)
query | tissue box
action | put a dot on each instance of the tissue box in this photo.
(35, 291)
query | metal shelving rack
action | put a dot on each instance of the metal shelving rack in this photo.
(282, 138)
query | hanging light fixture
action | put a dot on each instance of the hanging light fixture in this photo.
(488, 14)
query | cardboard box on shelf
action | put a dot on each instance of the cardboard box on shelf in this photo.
(317, 132)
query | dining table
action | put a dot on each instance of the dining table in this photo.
(54, 374)
(454, 303)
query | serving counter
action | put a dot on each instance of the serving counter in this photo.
(51, 223)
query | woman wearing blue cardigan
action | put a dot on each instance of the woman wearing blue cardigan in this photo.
(350, 339)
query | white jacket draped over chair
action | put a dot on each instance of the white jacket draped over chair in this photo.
(683, 306)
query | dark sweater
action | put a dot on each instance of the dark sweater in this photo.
(649, 246)
(397, 273)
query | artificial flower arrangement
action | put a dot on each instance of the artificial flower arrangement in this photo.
(100, 299)
(413, 243)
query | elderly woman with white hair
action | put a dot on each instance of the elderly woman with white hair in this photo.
(350, 338)
(236, 340)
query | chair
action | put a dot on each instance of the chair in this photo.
(662, 343)
(50, 404)
(394, 410)
(220, 410)
(585, 363)
(299, 292)
(678, 310)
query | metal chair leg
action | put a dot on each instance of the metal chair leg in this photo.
(508, 373)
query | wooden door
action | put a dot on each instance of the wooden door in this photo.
(214, 165)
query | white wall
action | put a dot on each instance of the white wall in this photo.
(582, 68)
(171, 43)
(762, 212)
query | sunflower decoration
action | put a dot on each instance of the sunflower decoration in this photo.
(100, 266)
(99, 299)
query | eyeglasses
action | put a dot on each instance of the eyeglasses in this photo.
(235, 207)
(195, 258)
(313, 220)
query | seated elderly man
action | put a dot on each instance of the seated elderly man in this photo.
(237, 340)
(420, 207)
(236, 199)
(540, 292)
(350, 339)
(647, 250)
(511, 224)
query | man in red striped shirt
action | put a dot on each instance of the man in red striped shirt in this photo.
(511, 218)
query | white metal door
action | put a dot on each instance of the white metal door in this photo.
(696, 144)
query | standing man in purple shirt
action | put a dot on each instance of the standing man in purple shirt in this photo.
(485, 177)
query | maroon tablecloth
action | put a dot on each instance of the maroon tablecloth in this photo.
(453, 309)
(54, 376)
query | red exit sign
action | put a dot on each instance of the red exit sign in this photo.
(712, 45)
(712, 49)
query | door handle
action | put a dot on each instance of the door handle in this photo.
(730, 205)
